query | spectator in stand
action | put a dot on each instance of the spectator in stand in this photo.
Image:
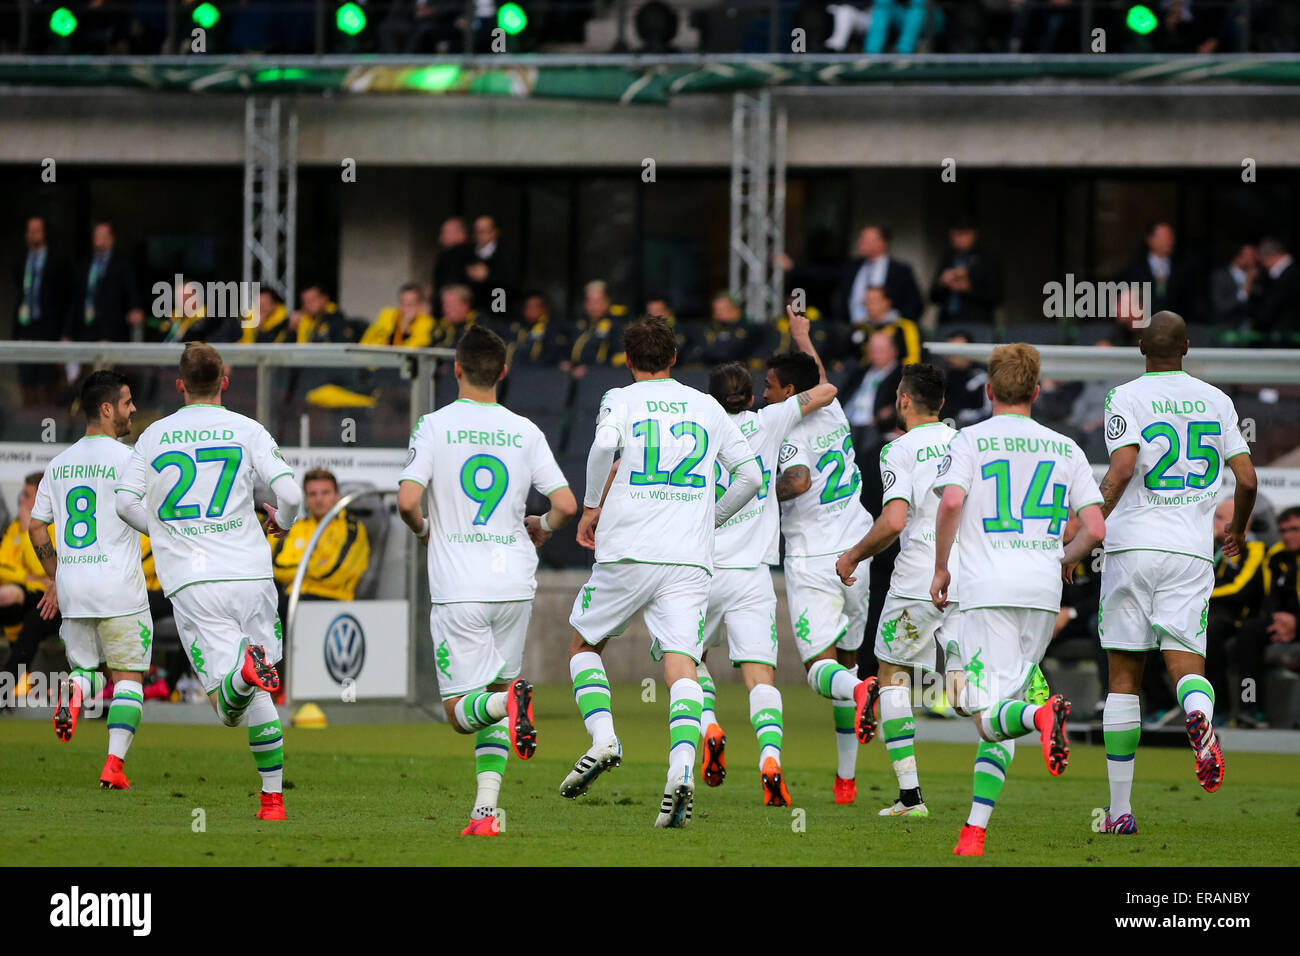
(106, 304)
(492, 267)
(660, 306)
(966, 401)
(22, 585)
(968, 284)
(404, 324)
(1235, 290)
(342, 554)
(190, 322)
(319, 320)
(883, 317)
(599, 339)
(1128, 321)
(1270, 638)
(726, 338)
(454, 254)
(270, 324)
(1238, 598)
(422, 26)
(1156, 265)
(1279, 312)
(458, 315)
(871, 391)
(876, 267)
(1037, 26)
(538, 339)
(43, 276)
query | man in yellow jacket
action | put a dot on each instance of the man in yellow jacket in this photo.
(341, 556)
(405, 324)
(22, 584)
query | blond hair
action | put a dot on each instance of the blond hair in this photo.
(1013, 373)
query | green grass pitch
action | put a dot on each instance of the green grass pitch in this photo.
(400, 794)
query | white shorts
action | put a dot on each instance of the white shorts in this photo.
(120, 643)
(823, 612)
(743, 600)
(910, 629)
(217, 618)
(1000, 646)
(478, 643)
(674, 598)
(1153, 599)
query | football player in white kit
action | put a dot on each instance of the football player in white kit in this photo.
(910, 625)
(1174, 433)
(1009, 484)
(819, 486)
(189, 486)
(474, 463)
(98, 583)
(653, 533)
(741, 594)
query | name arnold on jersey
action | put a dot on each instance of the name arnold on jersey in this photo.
(188, 436)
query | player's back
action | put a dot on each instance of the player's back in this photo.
(660, 508)
(1022, 480)
(195, 470)
(910, 468)
(99, 573)
(751, 537)
(478, 462)
(1185, 431)
(829, 516)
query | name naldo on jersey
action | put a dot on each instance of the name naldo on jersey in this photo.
(751, 537)
(195, 471)
(909, 467)
(1184, 430)
(660, 508)
(477, 463)
(99, 572)
(829, 517)
(1021, 480)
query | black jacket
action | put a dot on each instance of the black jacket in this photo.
(985, 295)
(1279, 312)
(1172, 296)
(116, 294)
(900, 286)
(55, 286)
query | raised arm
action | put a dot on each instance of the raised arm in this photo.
(801, 335)
(745, 482)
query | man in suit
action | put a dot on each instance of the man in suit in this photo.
(107, 305)
(875, 267)
(42, 277)
(968, 285)
(493, 266)
(454, 254)
(871, 391)
(1235, 290)
(1157, 267)
(1280, 309)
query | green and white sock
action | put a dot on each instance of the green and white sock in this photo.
(1009, 718)
(266, 741)
(232, 702)
(707, 716)
(1195, 693)
(846, 739)
(832, 679)
(769, 725)
(899, 729)
(491, 748)
(685, 701)
(1121, 726)
(124, 716)
(591, 693)
(479, 709)
(90, 682)
(991, 764)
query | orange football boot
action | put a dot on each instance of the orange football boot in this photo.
(713, 762)
(774, 792)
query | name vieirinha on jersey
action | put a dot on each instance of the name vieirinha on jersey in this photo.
(82, 472)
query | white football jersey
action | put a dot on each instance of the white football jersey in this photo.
(660, 508)
(99, 572)
(1021, 480)
(195, 471)
(477, 463)
(829, 517)
(752, 536)
(1185, 430)
(909, 468)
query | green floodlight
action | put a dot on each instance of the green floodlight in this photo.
(350, 19)
(62, 22)
(1140, 19)
(433, 79)
(206, 15)
(512, 19)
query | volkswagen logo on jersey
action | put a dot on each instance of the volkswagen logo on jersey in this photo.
(888, 479)
(945, 464)
(345, 648)
(1115, 427)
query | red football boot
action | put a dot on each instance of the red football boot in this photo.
(272, 807)
(971, 841)
(113, 777)
(488, 826)
(519, 718)
(1050, 721)
(865, 696)
(68, 710)
(258, 672)
(846, 791)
